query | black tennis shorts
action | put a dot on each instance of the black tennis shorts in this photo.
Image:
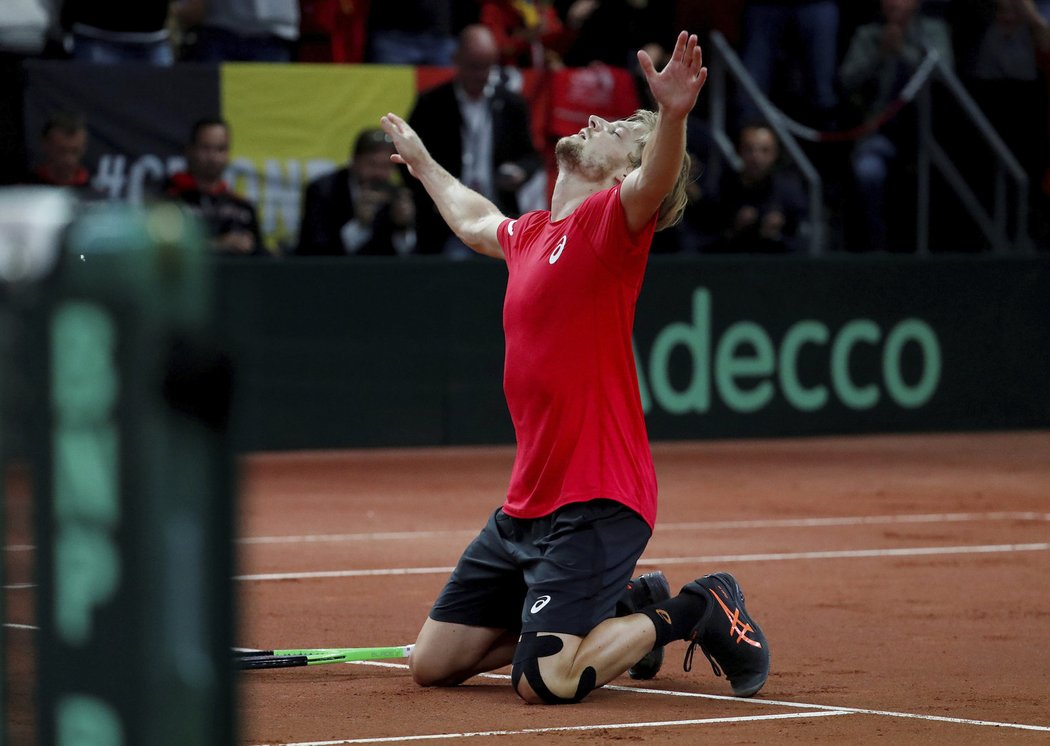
(560, 573)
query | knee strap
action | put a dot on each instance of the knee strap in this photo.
(531, 648)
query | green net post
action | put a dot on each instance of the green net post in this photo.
(32, 220)
(135, 600)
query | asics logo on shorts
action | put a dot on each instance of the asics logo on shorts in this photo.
(540, 603)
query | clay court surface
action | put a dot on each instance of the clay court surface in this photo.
(903, 583)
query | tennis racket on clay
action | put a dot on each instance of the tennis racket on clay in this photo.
(245, 659)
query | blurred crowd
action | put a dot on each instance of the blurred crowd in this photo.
(835, 66)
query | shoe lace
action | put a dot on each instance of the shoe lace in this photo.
(688, 663)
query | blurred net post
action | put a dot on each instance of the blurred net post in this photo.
(32, 221)
(132, 473)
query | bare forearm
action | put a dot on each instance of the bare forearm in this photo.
(472, 217)
(462, 208)
(663, 155)
(674, 89)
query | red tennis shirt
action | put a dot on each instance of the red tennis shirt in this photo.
(569, 372)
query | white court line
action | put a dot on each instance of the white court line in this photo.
(659, 561)
(772, 703)
(829, 709)
(570, 728)
(853, 710)
(876, 520)
(19, 586)
(699, 526)
(375, 536)
(870, 520)
(771, 557)
(852, 554)
(317, 574)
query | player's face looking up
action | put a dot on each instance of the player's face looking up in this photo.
(601, 149)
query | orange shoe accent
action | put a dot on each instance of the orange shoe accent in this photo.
(735, 628)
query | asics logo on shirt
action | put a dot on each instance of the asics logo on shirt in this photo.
(556, 255)
(540, 603)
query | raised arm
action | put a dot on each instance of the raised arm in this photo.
(470, 216)
(674, 89)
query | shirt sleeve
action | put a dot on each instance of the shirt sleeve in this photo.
(606, 221)
(512, 230)
(505, 237)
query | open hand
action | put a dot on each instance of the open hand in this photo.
(410, 149)
(676, 87)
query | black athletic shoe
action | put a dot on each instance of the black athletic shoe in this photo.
(645, 590)
(728, 636)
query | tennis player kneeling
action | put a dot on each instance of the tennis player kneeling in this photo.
(546, 585)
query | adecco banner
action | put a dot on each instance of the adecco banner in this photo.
(412, 354)
(752, 347)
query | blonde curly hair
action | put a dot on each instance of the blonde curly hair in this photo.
(673, 206)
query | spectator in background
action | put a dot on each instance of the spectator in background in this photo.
(695, 233)
(119, 31)
(476, 129)
(332, 31)
(609, 33)
(63, 142)
(1008, 49)
(881, 58)
(759, 209)
(229, 218)
(1000, 63)
(529, 33)
(358, 209)
(411, 32)
(793, 32)
(239, 30)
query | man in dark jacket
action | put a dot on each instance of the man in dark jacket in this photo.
(478, 131)
(63, 142)
(357, 209)
(229, 218)
(882, 57)
(761, 207)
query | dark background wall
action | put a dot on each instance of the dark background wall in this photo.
(389, 352)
